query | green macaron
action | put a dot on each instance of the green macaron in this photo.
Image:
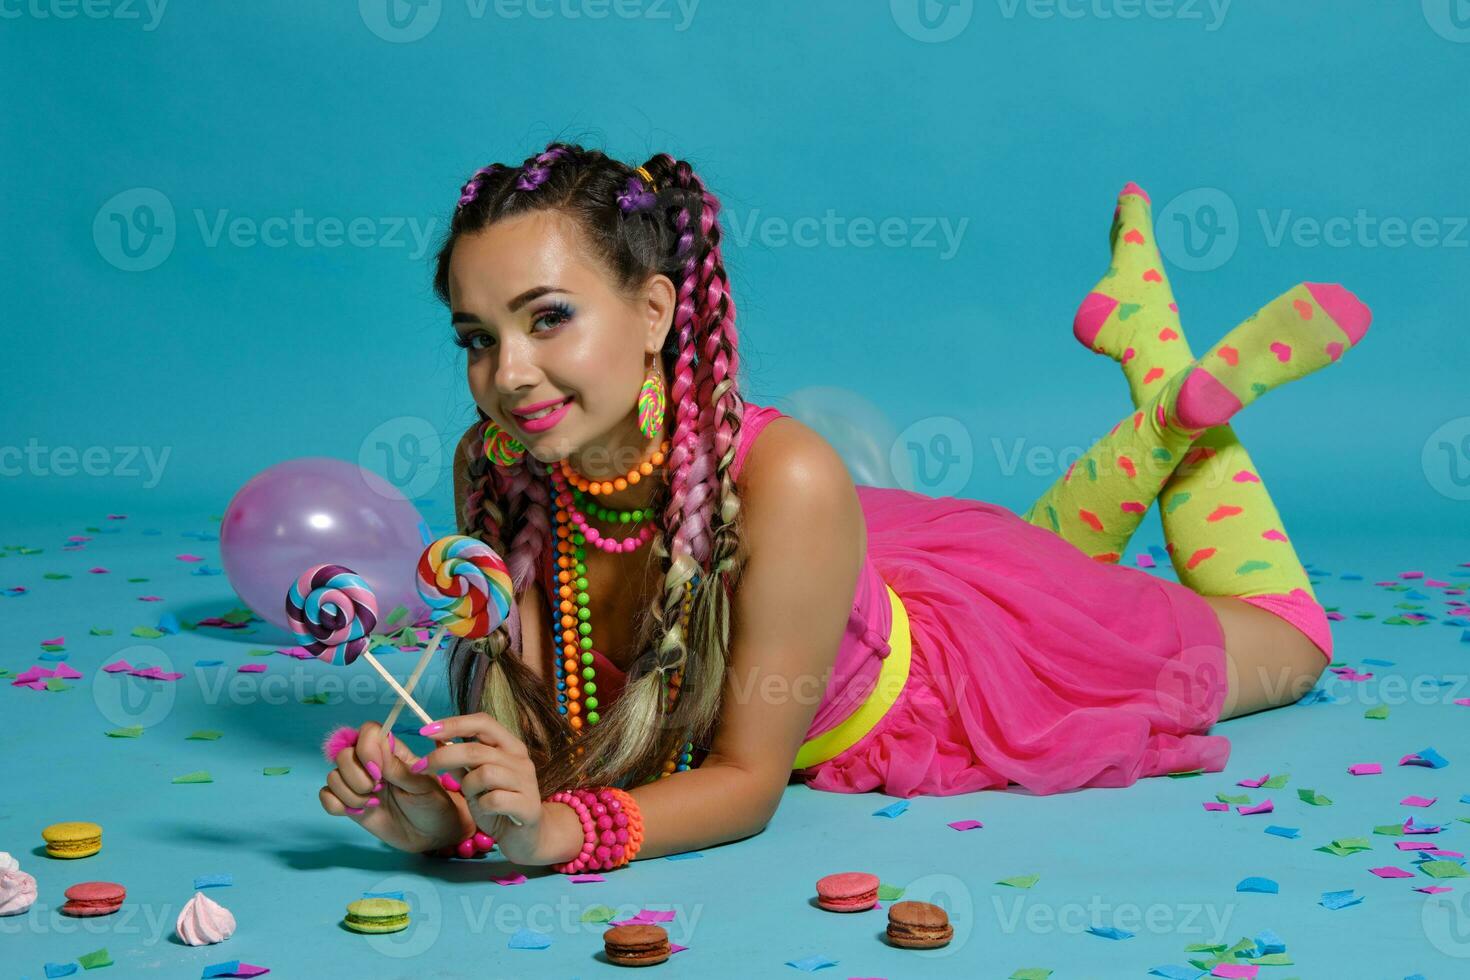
(377, 915)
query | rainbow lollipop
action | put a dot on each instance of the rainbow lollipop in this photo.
(468, 591)
(332, 611)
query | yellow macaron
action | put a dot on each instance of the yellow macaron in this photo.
(72, 839)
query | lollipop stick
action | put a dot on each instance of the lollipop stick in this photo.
(413, 678)
(397, 687)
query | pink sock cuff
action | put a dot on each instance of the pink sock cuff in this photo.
(1300, 610)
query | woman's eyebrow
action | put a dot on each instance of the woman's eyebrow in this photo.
(460, 316)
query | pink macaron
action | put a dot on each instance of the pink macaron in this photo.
(848, 891)
(94, 898)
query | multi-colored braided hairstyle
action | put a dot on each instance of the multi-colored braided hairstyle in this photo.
(636, 234)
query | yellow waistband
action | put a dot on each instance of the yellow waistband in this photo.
(892, 675)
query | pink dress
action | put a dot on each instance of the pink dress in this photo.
(1031, 662)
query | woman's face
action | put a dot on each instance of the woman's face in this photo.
(541, 322)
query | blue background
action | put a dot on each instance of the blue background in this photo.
(1014, 124)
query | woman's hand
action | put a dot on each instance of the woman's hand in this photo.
(499, 783)
(412, 812)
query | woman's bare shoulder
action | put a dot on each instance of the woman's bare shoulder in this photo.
(789, 457)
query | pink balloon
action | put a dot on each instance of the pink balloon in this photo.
(314, 511)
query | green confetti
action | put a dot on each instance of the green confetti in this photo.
(8, 673)
(208, 735)
(1213, 949)
(147, 632)
(1378, 712)
(260, 653)
(195, 777)
(57, 684)
(1277, 781)
(1363, 615)
(99, 631)
(398, 613)
(1273, 959)
(1313, 797)
(1185, 774)
(1020, 881)
(52, 647)
(1031, 973)
(1227, 798)
(238, 616)
(56, 576)
(1443, 869)
(598, 913)
(132, 731)
(1390, 830)
(320, 698)
(275, 770)
(137, 580)
(889, 893)
(94, 959)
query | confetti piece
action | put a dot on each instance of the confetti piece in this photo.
(169, 623)
(132, 731)
(1339, 899)
(95, 959)
(275, 770)
(1030, 973)
(150, 598)
(1110, 932)
(1019, 881)
(60, 969)
(966, 824)
(213, 881)
(812, 963)
(1290, 832)
(1217, 806)
(515, 879)
(1365, 769)
(98, 571)
(1254, 884)
(1174, 972)
(1313, 797)
(396, 896)
(233, 968)
(1418, 801)
(195, 777)
(1443, 869)
(598, 913)
(1265, 806)
(147, 632)
(1377, 713)
(1424, 757)
(890, 893)
(892, 809)
(1237, 970)
(208, 735)
(585, 879)
(529, 939)
(1389, 871)
(208, 663)
(55, 641)
(1254, 783)
(251, 669)
(686, 856)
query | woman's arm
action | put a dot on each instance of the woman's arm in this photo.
(803, 531)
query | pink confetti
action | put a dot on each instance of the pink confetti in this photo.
(1389, 871)
(675, 948)
(78, 537)
(188, 557)
(585, 879)
(1462, 701)
(1265, 806)
(150, 598)
(1434, 889)
(1145, 561)
(1243, 971)
(1413, 845)
(300, 653)
(67, 672)
(117, 666)
(251, 669)
(99, 570)
(1254, 783)
(1366, 769)
(966, 824)
(154, 674)
(1440, 852)
(1217, 806)
(515, 879)
(1418, 800)
(117, 517)
(1411, 574)
(54, 641)
(1435, 582)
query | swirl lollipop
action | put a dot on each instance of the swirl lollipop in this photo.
(332, 611)
(468, 591)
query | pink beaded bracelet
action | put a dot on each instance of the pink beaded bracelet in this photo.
(611, 835)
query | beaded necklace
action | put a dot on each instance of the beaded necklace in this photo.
(575, 682)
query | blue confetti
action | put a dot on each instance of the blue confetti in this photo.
(1255, 884)
(18, 591)
(60, 969)
(394, 895)
(1377, 663)
(53, 656)
(1290, 832)
(169, 623)
(1465, 637)
(1430, 758)
(1352, 577)
(686, 856)
(1110, 932)
(1173, 972)
(226, 969)
(1268, 942)
(205, 570)
(208, 663)
(212, 881)
(892, 809)
(1339, 899)
(812, 963)
(529, 939)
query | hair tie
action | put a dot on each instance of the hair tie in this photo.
(636, 197)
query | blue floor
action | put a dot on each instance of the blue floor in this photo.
(1149, 859)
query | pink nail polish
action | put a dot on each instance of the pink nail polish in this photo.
(373, 801)
(374, 770)
(378, 786)
(420, 766)
(355, 810)
(390, 741)
(433, 728)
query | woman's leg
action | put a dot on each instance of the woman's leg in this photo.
(1244, 576)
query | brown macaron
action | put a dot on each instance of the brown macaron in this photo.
(918, 925)
(636, 945)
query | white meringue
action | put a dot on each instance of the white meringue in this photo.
(203, 921)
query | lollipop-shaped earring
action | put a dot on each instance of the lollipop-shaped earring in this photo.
(468, 591)
(333, 611)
